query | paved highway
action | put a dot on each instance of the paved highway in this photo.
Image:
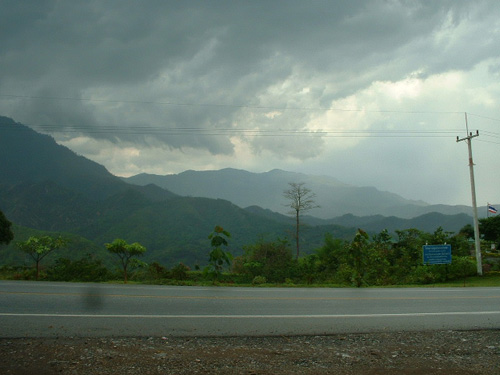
(44, 309)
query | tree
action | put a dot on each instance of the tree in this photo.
(490, 229)
(358, 257)
(6, 234)
(217, 256)
(126, 253)
(330, 255)
(364, 262)
(39, 247)
(467, 231)
(300, 200)
(408, 247)
(440, 236)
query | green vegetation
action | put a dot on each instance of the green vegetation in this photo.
(126, 253)
(39, 247)
(218, 258)
(6, 234)
(364, 261)
(87, 269)
(266, 261)
(490, 229)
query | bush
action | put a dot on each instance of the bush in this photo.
(273, 260)
(344, 275)
(258, 280)
(180, 272)
(461, 267)
(85, 269)
(156, 272)
(28, 274)
(422, 275)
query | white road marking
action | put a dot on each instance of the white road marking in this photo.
(339, 316)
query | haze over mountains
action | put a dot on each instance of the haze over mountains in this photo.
(47, 187)
(266, 190)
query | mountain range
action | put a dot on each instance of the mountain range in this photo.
(47, 187)
(334, 198)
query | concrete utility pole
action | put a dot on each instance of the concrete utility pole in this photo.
(468, 139)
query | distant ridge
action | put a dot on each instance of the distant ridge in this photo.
(266, 190)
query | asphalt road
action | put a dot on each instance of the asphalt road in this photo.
(43, 309)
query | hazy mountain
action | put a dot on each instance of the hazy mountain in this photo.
(376, 223)
(266, 190)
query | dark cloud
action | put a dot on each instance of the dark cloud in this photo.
(227, 68)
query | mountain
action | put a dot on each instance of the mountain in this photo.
(28, 156)
(376, 223)
(172, 230)
(47, 187)
(266, 190)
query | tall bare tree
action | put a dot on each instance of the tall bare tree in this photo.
(300, 199)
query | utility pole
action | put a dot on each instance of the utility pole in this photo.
(468, 139)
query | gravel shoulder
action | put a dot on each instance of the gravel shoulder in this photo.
(430, 353)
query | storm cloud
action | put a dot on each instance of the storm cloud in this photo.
(371, 92)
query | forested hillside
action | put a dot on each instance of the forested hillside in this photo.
(29, 157)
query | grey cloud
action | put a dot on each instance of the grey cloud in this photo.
(205, 53)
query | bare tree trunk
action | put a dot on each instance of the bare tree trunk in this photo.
(301, 199)
(297, 233)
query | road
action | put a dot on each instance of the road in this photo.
(45, 309)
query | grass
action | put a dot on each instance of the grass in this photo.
(488, 280)
(491, 279)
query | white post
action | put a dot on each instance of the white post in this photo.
(468, 139)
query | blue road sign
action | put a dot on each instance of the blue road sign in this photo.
(437, 254)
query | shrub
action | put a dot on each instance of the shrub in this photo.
(258, 280)
(85, 269)
(461, 267)
(273, 260)
(180, 272)
(156, 272)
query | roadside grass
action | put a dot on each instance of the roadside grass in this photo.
(195, 278)
(489, 279)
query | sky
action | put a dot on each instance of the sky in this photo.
(373, 93)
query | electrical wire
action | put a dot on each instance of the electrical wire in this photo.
(156, 130)
(197, 131)
(181, 104)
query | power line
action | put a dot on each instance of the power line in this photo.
(156, 130)
(491, 134)
(222, 105)
(484, 117)
(491, 142)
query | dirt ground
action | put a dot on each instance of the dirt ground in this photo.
(412, 353)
